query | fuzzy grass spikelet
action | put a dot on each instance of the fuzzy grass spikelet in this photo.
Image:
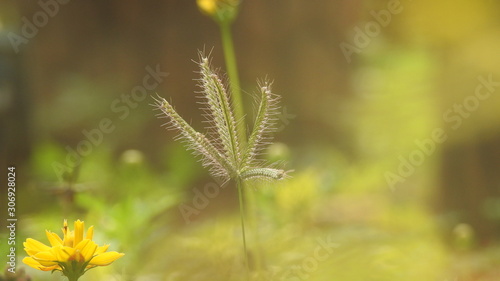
(219, 113)
(223, 152)
(195, 141)
(264, 125)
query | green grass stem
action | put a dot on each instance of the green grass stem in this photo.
(234, 80)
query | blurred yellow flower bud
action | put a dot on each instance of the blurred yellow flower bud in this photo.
(207, 6)
(222, 11)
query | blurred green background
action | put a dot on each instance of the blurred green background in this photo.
(389, 119)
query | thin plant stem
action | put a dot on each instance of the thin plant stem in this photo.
(234, 156)
(242, 216)
(252, 224)
(234, 81)
(237, 101)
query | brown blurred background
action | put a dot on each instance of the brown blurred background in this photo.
(371, 110)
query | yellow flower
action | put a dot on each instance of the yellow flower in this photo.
(207, 6)
(73, 255)
(219, 10)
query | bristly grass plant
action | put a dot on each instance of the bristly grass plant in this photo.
(225, 148)
(220, 149)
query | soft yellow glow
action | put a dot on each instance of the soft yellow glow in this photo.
(219, 10)
(207, 6)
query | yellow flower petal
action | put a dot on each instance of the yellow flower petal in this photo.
(78, 232)
(90, 233)
(69, 235)
(65, 228)
(68, 239)
(101, 249)
(54, 239)
(105, 258)
(33, 246)
(87, 248)
(33, 263)
(63, 253)
(46, 258)
(78, 257)
(83, 244)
